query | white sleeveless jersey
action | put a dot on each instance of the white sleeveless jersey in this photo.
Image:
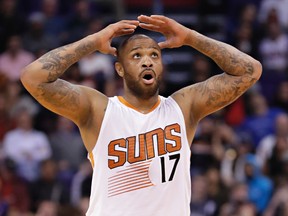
(141, 162)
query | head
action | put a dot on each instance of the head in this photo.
(48, 208)
(50, 7)
(48, 170)
(8, 6)
(199, 188)
(14, 44)
(281, 125)
(139, 63)
(257, 104)
(252, 167)
(24, 119)
(64, 124)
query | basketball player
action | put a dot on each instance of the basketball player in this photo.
(139, 144)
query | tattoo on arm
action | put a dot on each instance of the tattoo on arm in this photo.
(229, 59)
(58, 60)
(219, 91)
(59, 94)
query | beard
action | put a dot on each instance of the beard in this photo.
(136, 87)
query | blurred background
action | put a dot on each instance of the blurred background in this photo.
(239, 163)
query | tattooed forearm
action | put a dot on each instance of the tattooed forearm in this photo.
(59, 94)
(228, 58)
(241, 71)
(219, 91)
(58, 60)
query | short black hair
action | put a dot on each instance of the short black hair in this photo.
(125, 41)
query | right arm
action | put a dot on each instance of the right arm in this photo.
(240, 71)
(41, 77)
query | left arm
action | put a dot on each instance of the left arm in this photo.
(201, 99)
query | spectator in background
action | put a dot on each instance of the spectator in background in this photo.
(278, 204)
(216, 189)
(47, 208)
(12, 21)
(13, 189)
(233, 161)
(26, 146)
(274, 53)
(201, 69)
(98, 68)
(14, 58)
(48, 187)
(79, 19)
(35, 40)
(16, 100)
(55, 24)
(260, 187)
(78, 195)
(237, 196)
(201, 147)
(66, 143)
(281, 96)
(260, 118)
(266, 146)
(201, 204)
(244, 40)
(280, 8)
(275, 162)
(273, 48)
(6, 122)
(247, 209)
(242, 33)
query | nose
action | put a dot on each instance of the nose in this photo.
(147, 63)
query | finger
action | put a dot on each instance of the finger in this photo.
(127, 26)
(160, 18)
(164, 44)
(150, 27)
(147, 19)
(130, 22)
(112, 51)
(124, 32)
(133, 22)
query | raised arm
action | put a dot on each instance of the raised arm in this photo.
(41, 78)
(241, 71)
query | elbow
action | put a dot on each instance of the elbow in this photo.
(257, 70)
(24, 77)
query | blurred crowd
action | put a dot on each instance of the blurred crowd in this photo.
(239, 162)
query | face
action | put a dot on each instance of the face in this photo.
(141, 67)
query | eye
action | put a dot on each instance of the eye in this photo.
(154, 55)
(136, 56)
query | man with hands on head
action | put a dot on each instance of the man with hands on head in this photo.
(139, 143)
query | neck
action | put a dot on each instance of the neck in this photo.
(143, 105)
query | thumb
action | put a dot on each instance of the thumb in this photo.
(164, 44)
(112, 51)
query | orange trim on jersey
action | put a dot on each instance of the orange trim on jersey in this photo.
(130, 189)
(134, 177)
(137, 186)
(91, 157)
(123, 101)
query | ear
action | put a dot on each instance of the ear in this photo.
(119, 68)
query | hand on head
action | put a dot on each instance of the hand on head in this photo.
(174, 32)
(117, 29)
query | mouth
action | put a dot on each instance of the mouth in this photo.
(148, 76)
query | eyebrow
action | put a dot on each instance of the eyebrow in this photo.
(139, 47)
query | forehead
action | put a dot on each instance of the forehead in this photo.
(141, 43)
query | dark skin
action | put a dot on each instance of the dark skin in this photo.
(86, 106)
